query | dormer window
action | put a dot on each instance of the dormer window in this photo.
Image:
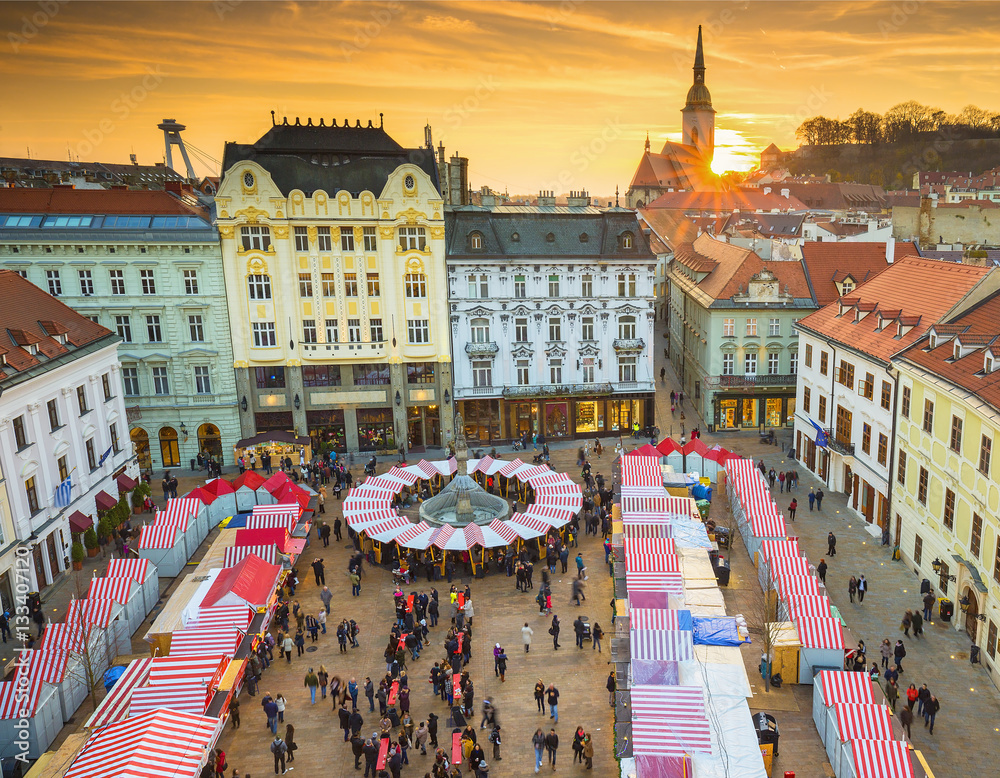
(550, 238)
(476, 241)
(625, 240)
(515, 237)
(847, 286)
(989, 363)
(584, 237)
(957, 352)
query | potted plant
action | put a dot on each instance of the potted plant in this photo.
(78, 554)
(104, 530)
(137, 499)
(90, 541)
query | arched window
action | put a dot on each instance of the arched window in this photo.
(480, 330)
(210, 441)
(476, 241)
(626, 328)
(625, 240)
(169, 452)
(140, 443)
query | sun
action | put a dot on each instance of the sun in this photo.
(733, 152)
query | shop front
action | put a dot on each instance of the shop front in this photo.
(742, 412)
(423, 427)
(375, 430)
(561, 418)
(482, 420)
(327, 431)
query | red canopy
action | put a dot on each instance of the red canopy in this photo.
(277, 536)
(105, 501)
(250, 479)
(695, 446)
(251, 580)
(126, 484)
(276, 482)
(644, 451)
(292, 492)
(218, 487)
(199, 493)
(667, 446)
(79, 522)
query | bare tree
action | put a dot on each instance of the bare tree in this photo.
(95, 650)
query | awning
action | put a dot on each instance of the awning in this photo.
(126, 484)
(79, 522)
(105, 501)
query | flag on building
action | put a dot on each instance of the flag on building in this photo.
(63, 492)
(105, 455)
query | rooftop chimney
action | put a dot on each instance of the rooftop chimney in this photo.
(578, 199)
(546, 197)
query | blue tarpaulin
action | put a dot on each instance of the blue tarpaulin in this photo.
(111, 676)
(716, 632)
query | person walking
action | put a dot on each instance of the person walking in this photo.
(923, 695)
(234, 712)
(501, 662)
(581, 568)
(538, 741)
(831, 545)
(792, 506)
(862, 588)
(552, 746)
(912, 694)
(290, 742)
(312, 683)
(906, 623)
(852, 587)
(819, 499)
(588, 751)
(885, 650)
(596, 634)
(526, 633)
(928, 605)
(931, 709)
(370, 694)
(319, 571)
(899, 652)
(554, 631)
(812, 498)
(821, 570)
(495, 740)
(540, 695)
(577, 746)
(906, 719)
(552, 697)
(327, 597)
(279, 749)
(781, 482)
(579, 629)
(918, 624)
(611, 685)
(891, 695)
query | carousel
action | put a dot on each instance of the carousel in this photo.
(411, 515)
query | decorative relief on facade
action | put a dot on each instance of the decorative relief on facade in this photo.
(311, 232)
(251, 215)
(281, 233)
(257, 266)
(411, 215)
(226, 233)
(437, 233)
(414, 265)
(386, 232)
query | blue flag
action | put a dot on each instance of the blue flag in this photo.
(821, 436)
(64, 492)
(105, 455)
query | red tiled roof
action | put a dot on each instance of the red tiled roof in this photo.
(830, 262)
(24, 311)
(734, 267)
(93, 201)
(924, 288)
(676, 165)
(728, 201)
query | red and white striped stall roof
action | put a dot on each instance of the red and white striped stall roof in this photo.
(487, 465)
(559, 492)
(159, 744)
(788, 565)
(286, 508)
(839, 686)
(387, 530)
(856, 721)
(552, 515)
(882, 759)
(653, 618)
(550, 478)
(235, 554)
(387, 481)
(768, 525)
(656, 505)
(800, 605)
(373, 492)
(525, 473)
(404, 475)
(280, 520)
(650, 555)
(791, 584)
(183, 698)
(179, 512)
(238, 616)
(504, 530)
(527, 526)
(770, 548)
(198, 642)
(114, 707)
(641, 471)
(201, 669)
(510, 468)
(667, 702)
(19, 696)
(158, 536)
(676, 737)
(48, 666)
(634, 531)
(414, 531)
(360, 519)
(655, 582)
(117, 589)
(441, 535)
(641, 492)
(63, 636)
(817, 632)
(134, 567)
(93, 613)
(662, 644)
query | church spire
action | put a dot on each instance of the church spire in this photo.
(699, 55)
(647, 142)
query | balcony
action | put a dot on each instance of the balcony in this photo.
(628, 344)
(487, 349)
(839, 446)
(559, 390)
(750, 381)
(462, 392)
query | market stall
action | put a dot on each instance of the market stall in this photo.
(163, 545)
(143, 572)
(836, 686)
(246, 486)
(30, 712)
(278, 444)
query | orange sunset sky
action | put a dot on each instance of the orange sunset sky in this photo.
(537, 95)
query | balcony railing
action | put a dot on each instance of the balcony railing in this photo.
(628, 344)
(845, 449)
(751, 381)
(561, 390)
(487, 349)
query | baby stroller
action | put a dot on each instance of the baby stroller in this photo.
(588, 633)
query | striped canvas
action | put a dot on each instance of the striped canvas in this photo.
(198, 642)
(158, 537)
(667, 644)
(856, 721)
(114, 707)
(841, 686)
(800, 605)
(236, 554)
(634, 531)
(201, 669)
(655, 582)
(183, 698)
(659, 618)
(18, 697)
(117, 589)
(674, 737)
(882, 759)
(650, 555)
(239, 616)
(820, 632)
(667, 702)
(135, 568)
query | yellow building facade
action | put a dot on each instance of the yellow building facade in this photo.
(337, 298)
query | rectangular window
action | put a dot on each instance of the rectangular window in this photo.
(53, 410)
(420, 373)
(374, 287)
(886, 400)
(418, 331)
(587, 328)
(883, 449)
(324, 241)
(371, 375)
(523, 372)
(918, 550)
(976, 539)
(347, 239)
(928, 417)
(904, 403)
(20, 434)
(586, 285)
(922, 486)
(806, 399)
(130, 381)
(555, 329)
(809, 355)
(302, 239)
(412, 238)
(626, 328)
(113, 434)
(482, 373)
(321, 375)
(626, 369)
(91, 454)
(555, 371)
(956, 435)
(991, 640)
(824, 363)
(588, 370)
(948, 517)
(750, 364)
(255, 237)
(154, 333)
(54, 282)
(866, 438)
(867, 390)
(332, 330)
(985, 455)
(86, 283)
(728, 364)
(520, 330)
(553, 286)
(793, 363)
(190, 282)
(270, 377)
(81, 399)
(751, 329)
(822, 409)
(197, 328)
(305, 285)
(106, 386)
(416, 284)
(62, 465)
(519, 287)
(161, 384)
(480, 331)
(845, 375)
(259, 286)
(148, 281)
(202, 381)
(354, 330)
(351, 284)
(901, 468)
(264, 335)
(370, 242)
(845, 425)
(729, 328)
(773, 359)
(117, 281)
(626, 285)
(329, 285)
(32, 494)
(308, 330)
(375, 330)
(774, 327)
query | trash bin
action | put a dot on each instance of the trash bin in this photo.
(194, 464)
(946, 609)
(767, 729)
(721, 568)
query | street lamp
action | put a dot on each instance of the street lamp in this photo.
(399, 398)
(936, 565)
(447, 397)
(243, 404)
(297, 402)
(184, 430)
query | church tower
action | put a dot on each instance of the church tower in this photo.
(698, 116)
